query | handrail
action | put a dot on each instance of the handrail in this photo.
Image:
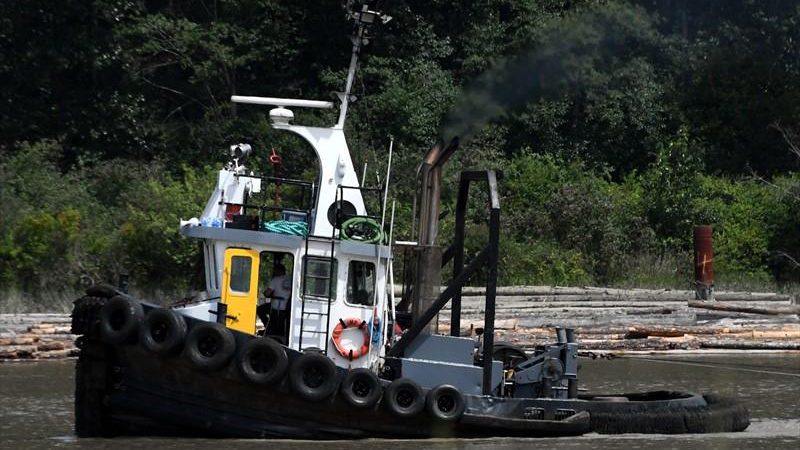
(341, 217)
(306, 196)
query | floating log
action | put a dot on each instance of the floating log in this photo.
(50, 346)
(573, 300)
(53, 337)
(41, 330)
(35, 318)
(777, 334)
(622, 294)
(17, 351)
(53, 354)
(750, 345)
(643, 333)
(21, 340)
(467, 328)
(773, 311)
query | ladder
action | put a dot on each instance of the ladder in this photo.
(329, 283)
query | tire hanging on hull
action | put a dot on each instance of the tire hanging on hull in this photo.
(120, 319)
(210, 346)
(445, 403)
(163, 332)
(262, 361)
(404, 398)
(313, 377)
(361, 388)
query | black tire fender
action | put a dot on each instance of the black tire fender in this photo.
(446, 403)
(313, 376)
(262, 361)
(361, 388)
(666, 412)
(120, 319)
(404, 398)
(209, 346)
(163, 331)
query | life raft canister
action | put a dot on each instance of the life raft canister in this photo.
(337, 337)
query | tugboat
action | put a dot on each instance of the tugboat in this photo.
(339, 357)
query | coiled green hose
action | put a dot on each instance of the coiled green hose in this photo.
(362, 229)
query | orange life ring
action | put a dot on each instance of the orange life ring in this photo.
(337, 337)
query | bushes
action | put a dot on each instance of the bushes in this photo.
(151, 246)
(540, 262)
(40, 246)
(565, 223)
(740, 212)
(92, 223)
(670, 189)
(784, 243)
(45, 210)
(594, 222)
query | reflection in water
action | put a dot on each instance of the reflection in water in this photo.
(36, 407)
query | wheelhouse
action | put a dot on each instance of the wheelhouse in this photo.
(333, 253)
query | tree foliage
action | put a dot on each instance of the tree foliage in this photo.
(620, 124)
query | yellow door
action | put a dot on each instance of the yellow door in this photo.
(240, 289)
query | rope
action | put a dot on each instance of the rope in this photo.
(716, 366)
(286, 227)
(362, 229)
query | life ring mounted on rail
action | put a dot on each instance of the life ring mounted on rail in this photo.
(336, 336)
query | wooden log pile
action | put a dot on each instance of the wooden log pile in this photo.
(608, 319)
(36, 336)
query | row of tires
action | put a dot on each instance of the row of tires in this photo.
(312, 376)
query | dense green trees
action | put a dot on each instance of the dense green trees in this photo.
(619, 124)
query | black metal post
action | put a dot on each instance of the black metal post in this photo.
(491, 282)
(458, 252)
(572, 383)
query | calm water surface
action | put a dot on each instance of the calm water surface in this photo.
(36, 408)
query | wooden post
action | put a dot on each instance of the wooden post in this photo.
(703, 262)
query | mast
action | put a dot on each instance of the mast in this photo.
(363, 19)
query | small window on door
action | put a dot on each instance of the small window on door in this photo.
(320, 278)
(241, 268)
(361, 283)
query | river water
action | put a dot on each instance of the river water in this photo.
(36, 408)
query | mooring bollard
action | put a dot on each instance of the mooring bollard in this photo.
(703, 262)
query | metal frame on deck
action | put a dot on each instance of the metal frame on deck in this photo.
(488, 255)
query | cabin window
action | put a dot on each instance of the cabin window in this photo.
(320, 278)
(361, 283)
(241, 268)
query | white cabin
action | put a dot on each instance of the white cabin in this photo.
(331, 279)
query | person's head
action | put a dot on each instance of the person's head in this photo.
(279, 270)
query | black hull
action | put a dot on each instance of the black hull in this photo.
(150, 395)
(123, 389)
